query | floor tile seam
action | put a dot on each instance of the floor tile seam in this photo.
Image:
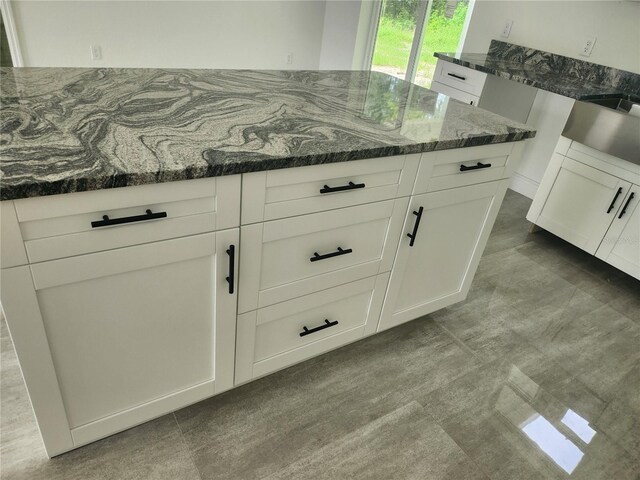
(479, 465)
(351, 433)
(459, 342)
(186, 446)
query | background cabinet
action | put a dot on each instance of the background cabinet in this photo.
(621, 245)
(590, 199)
(443, 238)
(581, 203)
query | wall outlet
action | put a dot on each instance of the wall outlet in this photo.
(96, 52)
(289, 58)
(506, 30)
(587, 46)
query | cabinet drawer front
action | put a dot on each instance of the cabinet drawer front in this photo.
(270, 338)
(67, 225)
(455, 93)
(297, 191)
(446, 169)
(459, 77)
(284, 259)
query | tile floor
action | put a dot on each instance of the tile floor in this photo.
(535, 376)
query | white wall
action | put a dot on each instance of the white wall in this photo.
(176, 33)
(561, 27)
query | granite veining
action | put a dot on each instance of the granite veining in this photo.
(548, 71)
(73, 129)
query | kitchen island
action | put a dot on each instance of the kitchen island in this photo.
(158, 248)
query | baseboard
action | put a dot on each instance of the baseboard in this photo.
(523, 185)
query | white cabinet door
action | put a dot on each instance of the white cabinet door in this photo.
(621, 245)
(580, 202)
(443, 238)
(140, 331)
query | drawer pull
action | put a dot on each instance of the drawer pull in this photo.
(413, 234)
(624, 209)
(464, 168)
(231, 251)
(106, 221)
(327, 324)
(459, 77)
(350, 186)
(615, 199)
(337, 253)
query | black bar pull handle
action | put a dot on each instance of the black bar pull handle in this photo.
(459, 77)
(106, 221)
(349, 186)
(413, 234)
(464, 168)
(624, 209)
(615, 199)
(337, 253)
(326, 324)
(231, 279)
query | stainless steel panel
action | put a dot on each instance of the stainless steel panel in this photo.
(611, 131)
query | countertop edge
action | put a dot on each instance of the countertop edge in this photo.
(124, 179)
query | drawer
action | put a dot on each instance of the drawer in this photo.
(464, 166)
(280, 335)
(455, 93)
(297, 191)
(459, 77)
(74, 224)
(288, 258)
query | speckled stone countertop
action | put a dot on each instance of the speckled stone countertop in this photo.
(548, 71)
(67, 130)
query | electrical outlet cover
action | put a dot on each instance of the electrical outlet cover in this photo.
(587, 46)
(506, 30)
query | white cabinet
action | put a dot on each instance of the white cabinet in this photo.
(134, 329)
(590, 199)
(124, 305)
(621, 245)
(581, 203)
(443, 238)
(462, 83)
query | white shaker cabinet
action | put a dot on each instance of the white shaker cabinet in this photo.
(118, 336)
(590, 199)
(126, 304)
(621, 245)
(580, 202)
(443, 238)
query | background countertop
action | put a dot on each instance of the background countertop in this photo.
(548, 71)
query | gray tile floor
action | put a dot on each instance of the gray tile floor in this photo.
(536, 375)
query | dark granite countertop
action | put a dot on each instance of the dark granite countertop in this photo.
(69, 129)
(548, 71)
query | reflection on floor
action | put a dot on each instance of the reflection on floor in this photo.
(536, 375)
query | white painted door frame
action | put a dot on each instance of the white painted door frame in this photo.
(12, 33)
